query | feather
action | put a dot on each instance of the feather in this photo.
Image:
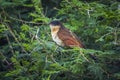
(69, 39)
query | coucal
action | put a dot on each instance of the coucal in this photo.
(63, 36)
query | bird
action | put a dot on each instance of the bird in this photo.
(63, 36)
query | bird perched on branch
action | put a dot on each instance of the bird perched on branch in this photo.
(64, 37)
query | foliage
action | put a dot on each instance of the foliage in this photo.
(27, 51)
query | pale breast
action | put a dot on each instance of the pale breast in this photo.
(57, 39)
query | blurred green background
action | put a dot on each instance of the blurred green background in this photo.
(27, 51)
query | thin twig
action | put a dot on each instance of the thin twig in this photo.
(4, 58)
(12, 33)
(9, 44)
(88, 12)
(36, 36)
(83, 56)
(115, 36)
(20, 20)
(53, 58)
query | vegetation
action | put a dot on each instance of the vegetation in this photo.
(27, 51)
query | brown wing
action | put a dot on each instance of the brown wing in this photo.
(69, 39)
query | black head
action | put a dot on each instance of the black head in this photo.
(55, 23)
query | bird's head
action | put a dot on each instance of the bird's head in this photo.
(55, 24)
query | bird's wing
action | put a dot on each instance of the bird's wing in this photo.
(78, 40)
(69, 39)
